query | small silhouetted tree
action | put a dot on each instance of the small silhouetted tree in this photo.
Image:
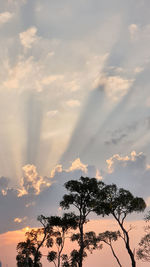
(82, 196)
(108, 237)
(120, 203)
(73, 260)
(29, 250)
(25, 251)
(143, 252)
(90, 243)
(61, 230)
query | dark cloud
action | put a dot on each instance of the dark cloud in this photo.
(116, 140)
(4, 181)
(131, 172)
(37, 195)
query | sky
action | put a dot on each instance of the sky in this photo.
(74, 100)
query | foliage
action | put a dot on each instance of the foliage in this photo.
(61, 227)
(82, 196)
(26, 252)
(29, 251)
(120, 203)
(143, 252)
(108, 237)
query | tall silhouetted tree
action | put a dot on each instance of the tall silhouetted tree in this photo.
(82, 196)
(120, 203)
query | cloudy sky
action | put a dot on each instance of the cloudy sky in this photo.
(74, 100)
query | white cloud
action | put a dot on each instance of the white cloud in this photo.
(140, 33)
(24, 75)
(73, 103)
(133, 30)
(98, 175)
(28, 37)
(138, 69)
(52, 78)
(31, 182)
(19, 220)
(5, 17)
(115, 86)
(117, 158)
(78, 165)
(57, 169)
(51, 53)
(30, 204)
(73, 85)
(52, 113)
(130, 172)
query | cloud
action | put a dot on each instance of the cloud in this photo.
(4, 181)
(130, 172)
(133, 30)
(52, 113)
(5, 17)
(43, 194)
(78, 165)
(73, 103)
(116, 140)
(31, 182)
(115, 159)
(115, 86)
(58, 168)
(98, 175)
(37, 194)
(138, 69)
(19, 220)
(52, 78)
(28, 37)
(138, 32)
(20, 73)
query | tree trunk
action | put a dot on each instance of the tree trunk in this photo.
(81, 246)
(35, 260)
(114, 254)
(58, 260)
(127, 244)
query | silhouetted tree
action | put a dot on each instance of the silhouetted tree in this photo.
(61, 227)
(29, 251)
(82, 196)
(120, 203)
(73, 260)
(143, 252)
(25, 251)
(108, 237)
